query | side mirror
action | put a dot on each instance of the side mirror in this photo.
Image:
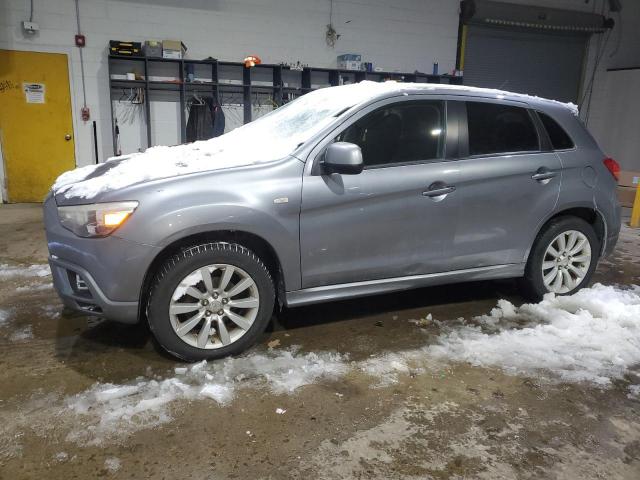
(343, 157)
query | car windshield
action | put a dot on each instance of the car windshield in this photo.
(285, 128)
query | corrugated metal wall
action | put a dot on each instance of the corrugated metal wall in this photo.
(539, 63)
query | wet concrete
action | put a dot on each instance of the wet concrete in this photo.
(451, 420)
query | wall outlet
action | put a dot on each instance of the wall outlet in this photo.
(30, 27)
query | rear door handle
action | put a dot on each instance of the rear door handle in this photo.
(541, 175)
(436, 192)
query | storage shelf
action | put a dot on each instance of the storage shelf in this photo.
(131, 83)
(279, 93)
(132, 58)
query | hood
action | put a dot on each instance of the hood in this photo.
(85, 184)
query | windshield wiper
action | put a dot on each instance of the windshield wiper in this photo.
(342, 111)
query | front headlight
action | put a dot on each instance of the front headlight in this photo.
(95, 220)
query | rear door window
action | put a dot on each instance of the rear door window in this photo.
(495, 129)
(560, 140)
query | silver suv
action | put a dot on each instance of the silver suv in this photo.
(346, 192)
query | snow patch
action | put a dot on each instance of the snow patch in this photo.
(21, 335)
(112, 464)
(591, 336)
(271, 137)
(12, 271)
(34, 287)
(51, 311)
(4, 316)
(61, 457)
(116, 410)
(386, 368)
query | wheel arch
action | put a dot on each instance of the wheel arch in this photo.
(261, 247)
(589, 214)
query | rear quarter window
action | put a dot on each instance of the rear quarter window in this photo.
(560, 140)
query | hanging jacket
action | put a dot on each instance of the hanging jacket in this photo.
(205, 121)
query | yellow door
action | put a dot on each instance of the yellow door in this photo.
(36, 130)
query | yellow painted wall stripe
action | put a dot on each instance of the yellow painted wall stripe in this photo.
(635, 211)
(463, 46)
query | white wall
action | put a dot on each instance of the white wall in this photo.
(611, 112)
(404, 34)
(617, 120)
(400, 34)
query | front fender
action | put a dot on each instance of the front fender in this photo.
(251, 201)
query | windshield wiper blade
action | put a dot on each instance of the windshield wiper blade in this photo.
(342, 111)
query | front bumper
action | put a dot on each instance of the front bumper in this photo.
(79, 291)
(97, 276)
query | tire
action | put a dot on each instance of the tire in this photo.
(180, 285)
(533, 282)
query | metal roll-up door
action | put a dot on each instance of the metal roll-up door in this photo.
(547, 64)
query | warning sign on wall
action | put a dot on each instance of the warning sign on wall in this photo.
(33, 92)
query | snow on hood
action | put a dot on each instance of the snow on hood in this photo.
(271, 137)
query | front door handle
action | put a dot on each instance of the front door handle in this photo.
(543, 174)
(438, 190)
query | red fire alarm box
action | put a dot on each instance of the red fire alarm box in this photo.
(80, 41)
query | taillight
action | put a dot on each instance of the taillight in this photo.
(613, 167)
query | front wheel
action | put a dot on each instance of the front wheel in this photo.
(563, 258)
(210, 301)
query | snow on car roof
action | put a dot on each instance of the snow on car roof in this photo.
(271, 137)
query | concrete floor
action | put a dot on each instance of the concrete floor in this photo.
(448, 420)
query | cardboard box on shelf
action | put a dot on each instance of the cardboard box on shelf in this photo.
(629, 178)
(173, 49)
(153, 48)
(626, 196)
(350, 61)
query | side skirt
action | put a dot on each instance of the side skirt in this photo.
(307, 296)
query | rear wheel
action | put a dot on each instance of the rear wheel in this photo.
(563, 258)
(210, 301)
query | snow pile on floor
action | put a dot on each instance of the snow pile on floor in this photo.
(116, 410)
(271, 137)
(591, 336)
(11, 271)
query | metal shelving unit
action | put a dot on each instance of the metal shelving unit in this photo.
(286, 83)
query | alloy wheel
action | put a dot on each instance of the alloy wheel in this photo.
(214, 306)
(566, 261)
